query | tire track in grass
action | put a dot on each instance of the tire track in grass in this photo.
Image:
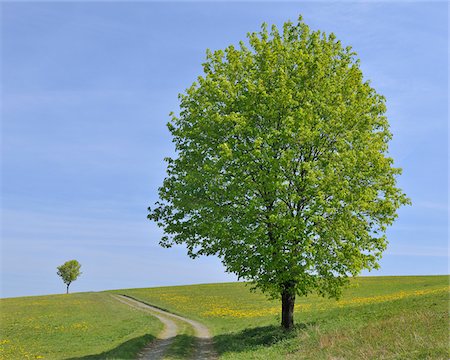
(204, 349)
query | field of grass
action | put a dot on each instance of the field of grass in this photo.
(377, 318)
(77, 326)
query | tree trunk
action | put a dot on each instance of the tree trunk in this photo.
(287, 306)
(67, 290)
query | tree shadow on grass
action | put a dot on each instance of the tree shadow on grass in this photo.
(181, 347)
(127, 350)
(250, 339)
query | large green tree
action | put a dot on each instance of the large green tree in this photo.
(281, 165)
(69, 272)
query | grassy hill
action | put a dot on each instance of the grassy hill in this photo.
(377, 318)
(72, 326)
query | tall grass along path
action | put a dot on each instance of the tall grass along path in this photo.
(155, 350)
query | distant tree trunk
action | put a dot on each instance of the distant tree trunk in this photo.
(287, 306)
(67, 290)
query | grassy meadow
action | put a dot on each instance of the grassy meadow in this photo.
(76, 326)
(377, 318)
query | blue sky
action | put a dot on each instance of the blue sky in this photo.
(86, 93)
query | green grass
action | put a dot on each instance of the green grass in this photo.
(81, 326)
(377, 318)
(183, 345)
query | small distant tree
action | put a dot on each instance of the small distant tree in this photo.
(282, 166)
(69, 272)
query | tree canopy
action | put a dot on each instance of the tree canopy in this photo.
(69, 272)
(282, 166)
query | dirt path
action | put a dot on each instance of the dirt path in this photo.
(155, 350)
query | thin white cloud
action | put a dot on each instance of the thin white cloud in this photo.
(433, 205)
(36, 227)
(425, 251)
